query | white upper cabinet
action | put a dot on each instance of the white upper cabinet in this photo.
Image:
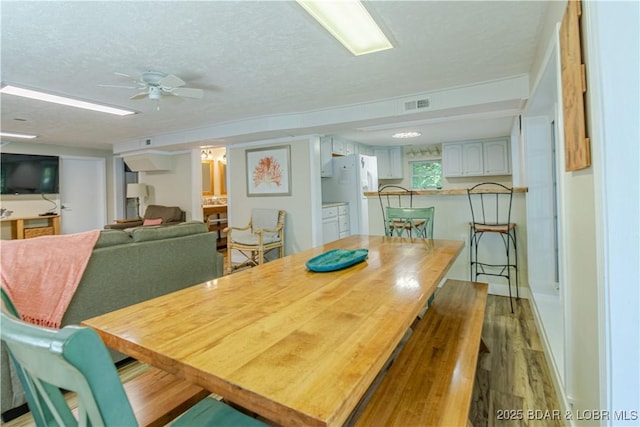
(452, 160)
(339, 147)
(472, 161)
(364, 149)
(349, 148)
(390, 165)
(326, 155)
(476, 158)
(496, 157)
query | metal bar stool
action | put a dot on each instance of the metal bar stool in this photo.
(390, 196)
(491, 213)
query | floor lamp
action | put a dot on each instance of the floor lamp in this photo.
(137, 191)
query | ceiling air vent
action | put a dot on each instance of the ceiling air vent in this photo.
(416, 105)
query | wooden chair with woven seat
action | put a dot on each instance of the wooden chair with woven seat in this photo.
(264, 233)
(74, 358)
(491, 214)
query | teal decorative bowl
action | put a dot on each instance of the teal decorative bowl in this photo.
(336, 259)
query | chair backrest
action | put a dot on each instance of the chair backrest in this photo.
(410, 220)
(8, 304)
(264, 218)
(168, 214)
(390, 196)
(73, 358)
(490, 203)
(270, 219)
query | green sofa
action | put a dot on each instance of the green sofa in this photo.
(126, 268)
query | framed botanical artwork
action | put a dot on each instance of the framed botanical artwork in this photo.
(269, 171)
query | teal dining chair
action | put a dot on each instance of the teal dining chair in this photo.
(410, 220)
(75, 358)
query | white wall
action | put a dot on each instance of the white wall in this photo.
(599, 214)
(26, 205)
(302, 207)
(171, 188)
(612, 40)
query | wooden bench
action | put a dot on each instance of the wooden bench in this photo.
(431, 381)
(158, 397)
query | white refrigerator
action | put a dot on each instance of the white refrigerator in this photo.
(352, 176)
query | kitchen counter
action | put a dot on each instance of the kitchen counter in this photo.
(213, 209)
(451, 222)
(449, 192)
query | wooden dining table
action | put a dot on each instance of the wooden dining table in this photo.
(295, 346)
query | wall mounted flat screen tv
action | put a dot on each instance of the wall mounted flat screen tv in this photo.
(28, 174)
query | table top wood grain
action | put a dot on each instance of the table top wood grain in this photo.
(295, 346)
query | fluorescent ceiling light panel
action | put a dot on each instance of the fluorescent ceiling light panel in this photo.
(17, 135)
(350, 23)
(56, 99)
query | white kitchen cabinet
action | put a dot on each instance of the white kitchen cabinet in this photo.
(472, 161)
(476, 158)
(326, 157)
(452, 160)
(496, 157)
(349, 148)
(344, 220)
(365, 149)
(330, 227)
(338, 147)
(335, 222)
(390, 164)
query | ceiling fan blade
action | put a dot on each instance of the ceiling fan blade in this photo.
(131, 78)
(140, 95)
(170, 81)
(187, 92)
(120, 86)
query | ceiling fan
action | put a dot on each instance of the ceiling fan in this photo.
(155, 85)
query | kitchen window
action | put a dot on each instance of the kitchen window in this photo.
(426, 174)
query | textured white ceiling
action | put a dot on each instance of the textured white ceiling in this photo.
(253, 59)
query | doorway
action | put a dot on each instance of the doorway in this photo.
(83, 200)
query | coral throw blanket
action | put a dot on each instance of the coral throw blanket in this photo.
(42, 274)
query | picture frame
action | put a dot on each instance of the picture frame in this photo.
(269, 171)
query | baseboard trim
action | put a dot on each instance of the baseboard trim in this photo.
(502, 289)
(563, 399)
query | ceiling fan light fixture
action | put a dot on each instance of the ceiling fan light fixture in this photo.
(350, 23)
(155, 92)
(62, 100)
(405, 135)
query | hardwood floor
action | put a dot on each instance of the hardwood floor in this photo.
(512, 380)
(513, 384)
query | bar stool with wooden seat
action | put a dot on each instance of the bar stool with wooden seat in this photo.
(491, 213)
